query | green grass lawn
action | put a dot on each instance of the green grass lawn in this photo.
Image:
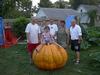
(15, 61)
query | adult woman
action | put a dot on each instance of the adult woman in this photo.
(62, 35)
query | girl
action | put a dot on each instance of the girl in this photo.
(46, 38)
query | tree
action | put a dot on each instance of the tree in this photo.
(61, 4)
(45, 3)
(76, 3)
(92, 15)
(25, 7)
(16, 8)
(35, 9)
(1, 7)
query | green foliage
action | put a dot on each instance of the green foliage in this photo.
(19, 26)
(45, 3)
(92, 15)
(61, 4)
(1, 7)
(15, 8)
(93, 35)
(76, 3)
(85, 45)
(15, 61)
(95, 61)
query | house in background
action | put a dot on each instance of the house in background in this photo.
(55, 13)
(97, 21)
(84, 9)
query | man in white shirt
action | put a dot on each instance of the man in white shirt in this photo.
(53, 29)
(33, 35)
(76, 37)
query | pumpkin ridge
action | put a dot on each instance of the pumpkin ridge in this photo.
(59, 56)
(55, 54)
(64, 54)
(40, 58)
(59, 50)
(53, 58)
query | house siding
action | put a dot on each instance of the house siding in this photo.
(83, 15)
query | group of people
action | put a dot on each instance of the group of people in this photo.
(55, 32)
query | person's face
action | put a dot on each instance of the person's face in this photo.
(46, 23)
(51, 21)
(73, 23)
(55, 22)
(62, 24)
(43, 23)
(46, 30)
(34, 21)
(39, 22)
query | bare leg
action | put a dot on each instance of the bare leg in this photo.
(77, 55)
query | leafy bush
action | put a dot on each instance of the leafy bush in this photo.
(85, 45)
(19, 26)
(94, 63)
(93, 35)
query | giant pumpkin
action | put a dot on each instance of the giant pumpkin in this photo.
(50, 57)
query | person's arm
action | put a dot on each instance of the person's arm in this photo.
(27, 31)
(28, 37)
(80, 35)
(39, 35)
(68, 37)
(56, 30)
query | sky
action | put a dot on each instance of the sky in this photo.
(35, 2)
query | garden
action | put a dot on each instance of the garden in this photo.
(15, 60)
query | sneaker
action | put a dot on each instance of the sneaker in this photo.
(77, 62)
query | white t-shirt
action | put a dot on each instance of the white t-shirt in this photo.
(53, 29)
(33, 30)
(75, 32)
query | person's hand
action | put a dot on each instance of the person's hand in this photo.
(79, 41)
(39, 41)
(29, 41)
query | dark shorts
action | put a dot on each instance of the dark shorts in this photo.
(31, 47)
(75, 45)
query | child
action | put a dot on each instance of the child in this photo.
(46, 39)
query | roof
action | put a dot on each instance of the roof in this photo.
(56, 13)
(98, 11)
(89, 7)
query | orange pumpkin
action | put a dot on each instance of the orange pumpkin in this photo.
(50, 57)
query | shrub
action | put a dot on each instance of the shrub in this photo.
(94, 62)
(19, 26)
(85, 45)
(93, 35)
